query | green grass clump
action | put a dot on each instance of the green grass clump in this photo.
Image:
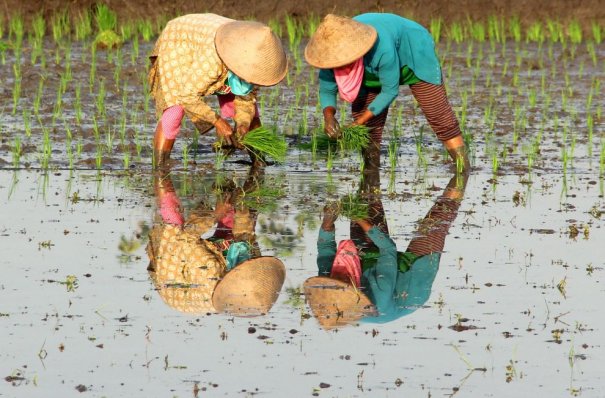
(265, 142)
(107, 22)
(355, 137)
(108, 39)
(353, 207)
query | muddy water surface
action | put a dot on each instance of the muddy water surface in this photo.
(514, 308)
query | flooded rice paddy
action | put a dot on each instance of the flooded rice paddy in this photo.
(515, 307)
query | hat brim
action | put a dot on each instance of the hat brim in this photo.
(336, 303)
(251, 288)
(339, 41)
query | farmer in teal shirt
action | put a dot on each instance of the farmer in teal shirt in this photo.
(365, 59)
(366, 277)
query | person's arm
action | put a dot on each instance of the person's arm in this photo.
(245, 109)
(326, 251)
(389, 72)
(327, 88)
(326, 241)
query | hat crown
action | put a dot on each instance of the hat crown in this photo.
(252, 51)
(338, 41)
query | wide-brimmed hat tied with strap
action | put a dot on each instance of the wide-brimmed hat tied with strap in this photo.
(338, 41)
(252, 51)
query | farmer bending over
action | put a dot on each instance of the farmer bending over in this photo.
(198, 55)
(365, 59)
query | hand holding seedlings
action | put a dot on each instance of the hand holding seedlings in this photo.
(223, 130)
(331, 125)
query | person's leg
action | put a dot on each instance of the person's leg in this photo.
(433, 101)
(369, 190)
(371, 155)
(166, 132)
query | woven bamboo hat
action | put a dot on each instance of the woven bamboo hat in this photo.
(336, 303)
(338, 41)
(251, 51)
(251, 288)
(184, 268)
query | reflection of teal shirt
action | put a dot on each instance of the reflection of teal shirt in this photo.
(394, 293)
(401, 42)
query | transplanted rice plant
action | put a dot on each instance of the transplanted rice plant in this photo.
(265, 142)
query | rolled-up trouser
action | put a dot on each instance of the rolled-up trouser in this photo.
(433, 102)
(171, 121)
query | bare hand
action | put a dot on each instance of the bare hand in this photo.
(239, 135)
(331, 211)
(331, 126)
(223, 130)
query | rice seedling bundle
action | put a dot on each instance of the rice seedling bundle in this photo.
(353, 208)
(264, 142)
(354, 137)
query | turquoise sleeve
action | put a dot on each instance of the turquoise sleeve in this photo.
(326, 251)
(383, 276)
(389, 73)
(327, 88)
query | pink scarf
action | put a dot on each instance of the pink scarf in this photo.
(349, 78)
(347, 265)
(228, 106)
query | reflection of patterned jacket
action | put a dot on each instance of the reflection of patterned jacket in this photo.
(186, 67)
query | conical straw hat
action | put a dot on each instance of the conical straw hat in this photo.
(338, 41)
(252, 51)
(336, 303)
(184, 268)
(251, 288)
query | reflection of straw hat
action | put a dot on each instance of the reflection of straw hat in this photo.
(336, 303)
(338, 41)
(252, 51)
(251, 288)
(184, 268)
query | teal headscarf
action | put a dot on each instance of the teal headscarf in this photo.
(238, 86)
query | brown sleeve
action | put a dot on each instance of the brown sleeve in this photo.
(245, 108)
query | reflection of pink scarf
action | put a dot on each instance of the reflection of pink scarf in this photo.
(349, 78)
(347, 265)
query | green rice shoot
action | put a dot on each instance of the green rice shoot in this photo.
(353, 208)
(264, 142)
(354, 138)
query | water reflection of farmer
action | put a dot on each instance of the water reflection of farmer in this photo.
(365, 59)
(224, 272)
(198, 55)
(366, 276)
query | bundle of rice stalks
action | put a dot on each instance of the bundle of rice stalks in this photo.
(265, 142)
(354, 138)
(353, 208)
